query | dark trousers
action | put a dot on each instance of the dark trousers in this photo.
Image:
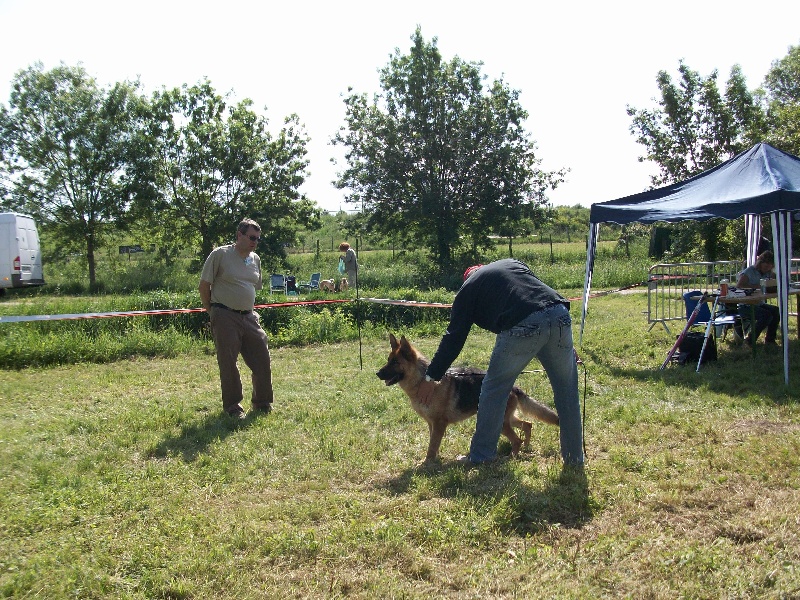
(767, 317)
(236, 334)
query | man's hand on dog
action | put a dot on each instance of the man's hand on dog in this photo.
(426, 391)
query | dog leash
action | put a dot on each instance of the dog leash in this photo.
(585, 387)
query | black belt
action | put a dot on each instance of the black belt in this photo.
(241, 312)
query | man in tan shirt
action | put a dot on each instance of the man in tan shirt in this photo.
(231, 275)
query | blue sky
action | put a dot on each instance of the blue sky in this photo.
(577, 64)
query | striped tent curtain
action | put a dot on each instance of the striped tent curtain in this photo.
(782, 249)
(752, 226)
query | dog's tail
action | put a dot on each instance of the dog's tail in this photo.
(532, 408)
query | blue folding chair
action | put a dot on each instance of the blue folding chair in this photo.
(312, 284)
(691, 299)
(277, 283)
(721, 321)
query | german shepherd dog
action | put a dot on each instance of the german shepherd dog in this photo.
(455, 397)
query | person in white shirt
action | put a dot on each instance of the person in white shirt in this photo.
(231, 275)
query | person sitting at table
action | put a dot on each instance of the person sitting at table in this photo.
(767, 316)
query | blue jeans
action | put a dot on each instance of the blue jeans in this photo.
(546, 335)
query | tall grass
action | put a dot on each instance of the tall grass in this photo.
(560, 264)
(383, 274)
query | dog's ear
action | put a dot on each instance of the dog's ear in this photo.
(406, 348)
(393, 342)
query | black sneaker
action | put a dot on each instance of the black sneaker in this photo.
(263, 409)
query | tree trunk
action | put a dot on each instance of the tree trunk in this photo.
(443, 243)
(206, 246)
(711, 232)
(90, 259)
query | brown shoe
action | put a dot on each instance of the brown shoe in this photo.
(264, 409)
(237, 414)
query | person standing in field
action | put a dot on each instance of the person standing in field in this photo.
(350, 263)
(231, 275)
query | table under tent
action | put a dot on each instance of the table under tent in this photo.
(761, 181)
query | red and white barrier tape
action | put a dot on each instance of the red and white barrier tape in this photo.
(145, 313)
(406, 303)
(177, 311)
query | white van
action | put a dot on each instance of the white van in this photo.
(20, 255)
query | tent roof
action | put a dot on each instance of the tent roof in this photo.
(759, 181)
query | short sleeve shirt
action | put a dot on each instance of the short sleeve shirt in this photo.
(234, 280)
(754, 276)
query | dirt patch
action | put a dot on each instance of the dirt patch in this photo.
(760, 426)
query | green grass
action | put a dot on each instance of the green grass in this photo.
(129, 286)
(124, 480)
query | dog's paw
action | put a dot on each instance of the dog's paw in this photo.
(429, 463)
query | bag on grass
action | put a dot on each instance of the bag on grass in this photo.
(692, 344)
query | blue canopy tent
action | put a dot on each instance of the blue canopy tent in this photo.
(760, 181)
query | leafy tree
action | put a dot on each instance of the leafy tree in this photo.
(214, 164)
(436, 158)
(569, 219)
(782, 94)
(694, 128)
(65, 150)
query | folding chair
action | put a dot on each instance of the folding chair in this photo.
(718, 316)
(715, 319)
(312, 284)
(291, 285)
(277, 283)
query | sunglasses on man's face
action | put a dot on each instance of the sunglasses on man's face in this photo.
(254, 238)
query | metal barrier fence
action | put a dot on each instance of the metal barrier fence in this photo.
(668, 282)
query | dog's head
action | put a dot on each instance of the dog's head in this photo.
(402, 362)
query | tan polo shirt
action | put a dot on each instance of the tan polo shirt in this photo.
(234, 280)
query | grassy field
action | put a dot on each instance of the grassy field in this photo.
(143, 285)
(124, 480)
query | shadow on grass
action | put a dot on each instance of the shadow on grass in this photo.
(194, 438)
(520, 508)
(732, 362)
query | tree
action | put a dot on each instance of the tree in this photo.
(694, 128)
(782, 94)
(214, 164)
(565, 219)
(65, 149)
(436, 158)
